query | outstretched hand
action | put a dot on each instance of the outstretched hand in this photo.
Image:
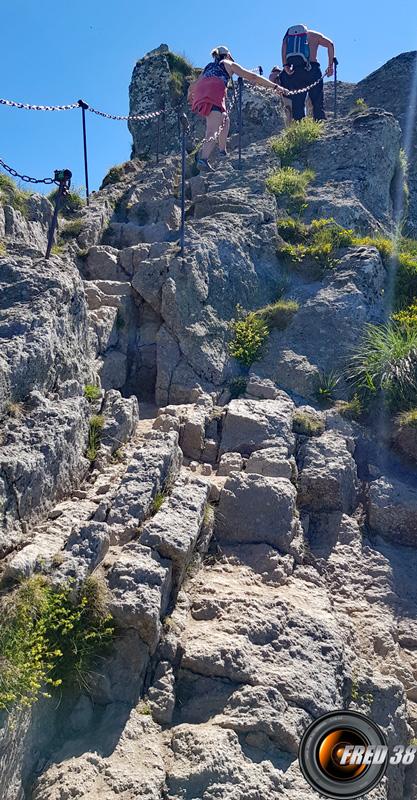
(329, 71)
(279, 89)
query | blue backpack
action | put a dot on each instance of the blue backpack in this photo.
(298, 50)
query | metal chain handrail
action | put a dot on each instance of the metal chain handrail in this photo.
(137, 117)
(29, 107)
(25, 178)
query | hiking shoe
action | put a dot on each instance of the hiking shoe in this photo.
(203, 165)
(223, 154)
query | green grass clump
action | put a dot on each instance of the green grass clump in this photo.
(350, 409)
(158, 501)
(114, 175)
(2, 248)
(292, 230)
(279, 314)
(72, 229)
(319, 242)
(94, 435)
(92, 392)
(11, 195)
(295, 138)
(290, 185)
(326, 385)
(71, 202)
(359, 107)
(407, 418)
(249, 335)
(307, 424)
(182, 72)
(49, 638)
(386, 361)
(237, 387)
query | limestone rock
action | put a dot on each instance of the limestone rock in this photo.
(252, 424)
(121, 417)
(140, 584)
(328, 478)
(153, 467)
(254, 508)
(174, 530)
(230, 462)
(273, 462)
(393, 510)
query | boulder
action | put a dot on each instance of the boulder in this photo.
(273, 462)
(254, 508)
(328, 477)
(153, 467)
(174, 530)
(253, 424)
(140, 584)
(230, 462)
(121, 416)
(393, 510)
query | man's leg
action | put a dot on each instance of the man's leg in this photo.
(316, 94)
(296, 80)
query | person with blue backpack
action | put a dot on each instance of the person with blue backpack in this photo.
(302, 69)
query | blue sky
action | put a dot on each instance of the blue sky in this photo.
(57, 52)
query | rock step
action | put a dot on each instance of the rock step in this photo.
(149, 572)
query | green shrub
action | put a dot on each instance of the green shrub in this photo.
(407, 317)
(49, 638)
(92, 392)
(359, 107)
(278, 314)
(114, 175)
(386, 361)
(182, 72)
(71, 202)
(295, 138)
(292, 230)
(94, 435)
(11, 195)
(237, 387)
(290, 185)
(406, 279)
(249, 335)
(72, 229)
(320, 241)
(407, 418)
(326, 385)
(307, 424)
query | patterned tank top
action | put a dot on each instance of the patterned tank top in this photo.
(216, 69)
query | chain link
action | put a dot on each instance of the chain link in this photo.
(291, 92)
(29, 107)
(25, 178)
(137, 117)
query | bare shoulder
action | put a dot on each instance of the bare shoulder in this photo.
(229, 65)
(315, 37)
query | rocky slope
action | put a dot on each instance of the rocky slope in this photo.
(258, 553)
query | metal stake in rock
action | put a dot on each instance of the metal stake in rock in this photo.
(63, 180)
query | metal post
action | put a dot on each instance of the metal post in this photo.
(240, 85)
(158, 136)
(83, 107)
(336, 64)
(63, 180)
(185, 128)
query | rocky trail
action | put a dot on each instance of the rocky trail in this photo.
(257, 553)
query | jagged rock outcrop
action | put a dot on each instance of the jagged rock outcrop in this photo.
(256, 553)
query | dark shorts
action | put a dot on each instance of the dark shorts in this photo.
(217, 108)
